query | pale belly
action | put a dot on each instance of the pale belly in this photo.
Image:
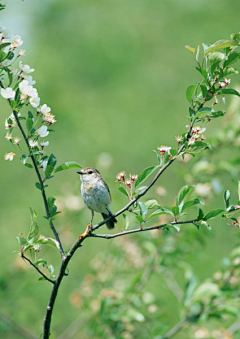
(96, 198)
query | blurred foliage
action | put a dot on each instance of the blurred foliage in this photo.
(113, 72)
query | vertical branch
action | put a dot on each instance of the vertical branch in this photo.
(41, 184)
(15, 113)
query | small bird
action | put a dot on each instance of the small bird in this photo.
(96, 194)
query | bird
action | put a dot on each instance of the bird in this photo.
(96, 194)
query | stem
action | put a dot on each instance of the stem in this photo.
(176, 329)
(36, 268)
(15, 113)
(57, 282)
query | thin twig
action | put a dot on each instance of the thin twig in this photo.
(176, 328)
(36, 268)
(143, 229)
(143, 192)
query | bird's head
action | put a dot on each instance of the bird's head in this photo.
(89, 173)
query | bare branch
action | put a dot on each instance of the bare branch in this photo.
(36, 268)
(141, 229)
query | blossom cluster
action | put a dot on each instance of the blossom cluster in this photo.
(197, 135)
(127, 183)
(20, 92)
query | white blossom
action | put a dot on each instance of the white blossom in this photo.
(164, 149)
(50, 118)
(9, 156)
(35, 101)
(21, 52)
(16, 140)
(16, 42)
(25, 68)
(44, 165)
(8, 136)
(45, 109)
(7, 93)
(33, 143)
(30, 80)
(44, 144)
(42, 131)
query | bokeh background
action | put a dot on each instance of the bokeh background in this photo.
(115, 75)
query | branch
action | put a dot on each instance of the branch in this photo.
(36, 268)
(39, 178)
(57, 282)
(159, 173)
(176, 328)
(136, 230)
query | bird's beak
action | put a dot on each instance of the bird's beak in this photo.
(79, 172)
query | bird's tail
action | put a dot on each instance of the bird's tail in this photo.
(111, 223)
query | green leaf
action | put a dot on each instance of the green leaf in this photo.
(24, 159)
(206, 289)
(152, 204)
(22, 241)
(145, 174)
(200, 214)
(226, 196)
(204, 90)
(127, 222)
(216, 57)
(202, 111)
(229, 91)
(122, 190)
(34, 229)
(48, 171)
(159, 212)
(192, 203)
(190, 49)
(29, 123)
(52, 160)
(41, 239)
(143, 209)
(67, 165)
(220, 45)
(213, 214)
(176, 227)
(52, 208)
(29, 165)
(183, 192)
(190, 91)
(37, 184)
(175, 210)
(203, 72)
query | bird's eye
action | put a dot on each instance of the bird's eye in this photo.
(90, 172)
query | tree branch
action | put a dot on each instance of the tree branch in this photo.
(15, 113)
(36, 268)
(141, 229)
(159, 173)
(57, 282)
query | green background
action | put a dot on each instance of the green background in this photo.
(115, 75)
